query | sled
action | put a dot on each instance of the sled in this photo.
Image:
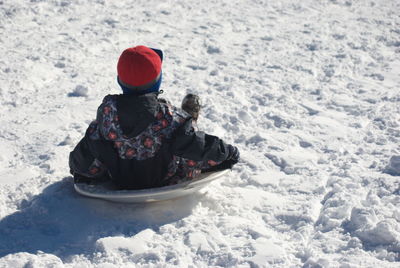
(107, 190)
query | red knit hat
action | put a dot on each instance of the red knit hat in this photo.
(138, 66)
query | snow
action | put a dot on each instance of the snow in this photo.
(393, 167)
(308, 91)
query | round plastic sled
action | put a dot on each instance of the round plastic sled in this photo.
(108, 192)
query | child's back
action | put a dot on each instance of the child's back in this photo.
(140, 141)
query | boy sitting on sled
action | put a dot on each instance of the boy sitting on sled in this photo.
(140, 141)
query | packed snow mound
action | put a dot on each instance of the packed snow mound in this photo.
(365, 225)
(394, 166)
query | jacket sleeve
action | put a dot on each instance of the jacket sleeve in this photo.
(198, 146)
(81, 157)
(86, 158)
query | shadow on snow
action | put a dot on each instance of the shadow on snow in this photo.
(61, 222)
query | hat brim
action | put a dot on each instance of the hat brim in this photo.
(159, 53)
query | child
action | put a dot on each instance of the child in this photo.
(140, 141)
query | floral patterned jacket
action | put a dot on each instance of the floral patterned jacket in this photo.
(142, 142)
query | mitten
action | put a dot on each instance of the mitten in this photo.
(234, 154)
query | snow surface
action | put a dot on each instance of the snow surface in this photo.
(308, 90)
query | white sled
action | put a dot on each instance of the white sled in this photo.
(108, 192)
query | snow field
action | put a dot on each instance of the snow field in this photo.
(308, 91)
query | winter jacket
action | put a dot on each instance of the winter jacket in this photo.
(142, 142)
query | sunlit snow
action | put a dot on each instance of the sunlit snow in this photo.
(308, 90)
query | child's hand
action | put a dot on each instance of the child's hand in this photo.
(234, 154)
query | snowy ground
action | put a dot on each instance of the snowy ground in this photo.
(308, 90)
